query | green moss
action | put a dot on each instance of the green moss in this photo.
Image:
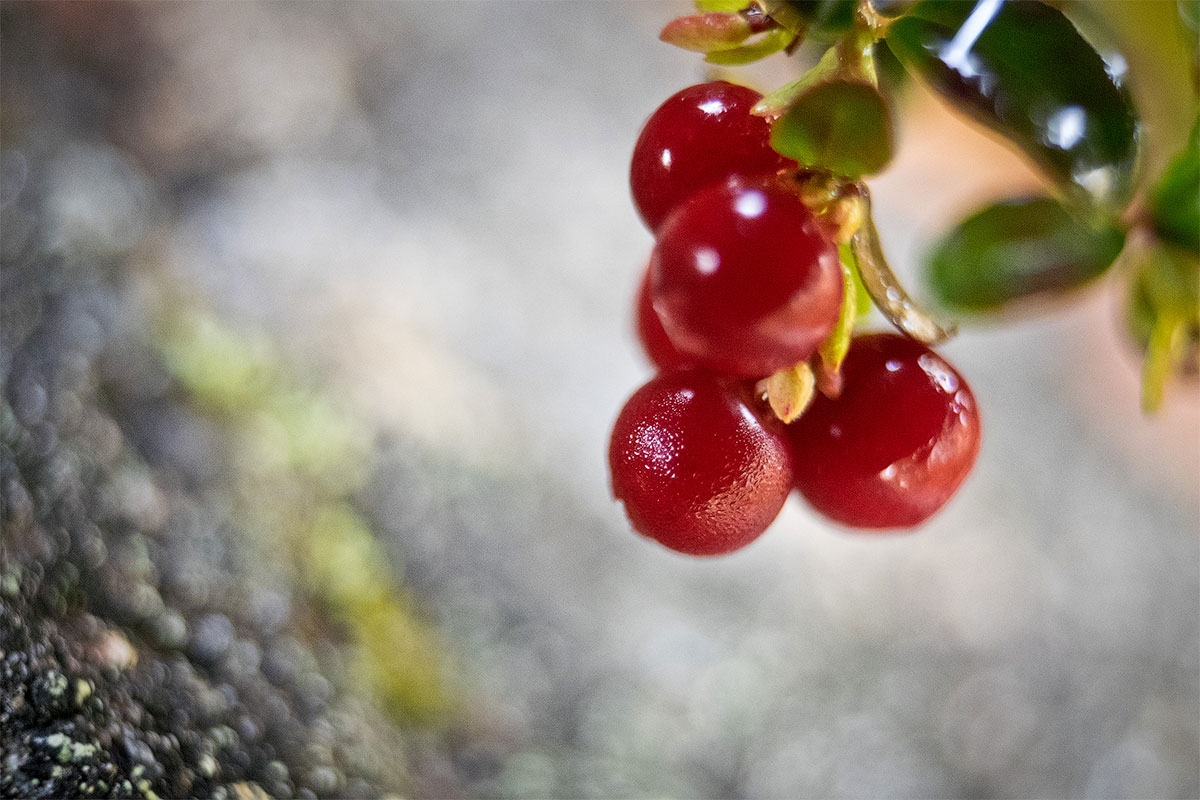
(299, 459)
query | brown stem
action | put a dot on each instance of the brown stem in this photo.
(757, 19)
(885, 288)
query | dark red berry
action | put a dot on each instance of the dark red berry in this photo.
(743, 278)
(895, 445)
(698, 137)
(650, 333)
(696, 468)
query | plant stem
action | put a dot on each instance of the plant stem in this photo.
(885, 289)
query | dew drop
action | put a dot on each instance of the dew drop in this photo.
(934, 369)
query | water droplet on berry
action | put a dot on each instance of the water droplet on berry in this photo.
(935, 368)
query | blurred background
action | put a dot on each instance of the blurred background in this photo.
(315, 320)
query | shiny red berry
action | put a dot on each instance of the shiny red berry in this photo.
(743, 278)
(657, 346)
(698, 137)
(696, 468)
(894, 446)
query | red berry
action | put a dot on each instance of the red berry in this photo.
(698, 137)
(650, 333)
(895, 445)
(696, 468)
(743, 278)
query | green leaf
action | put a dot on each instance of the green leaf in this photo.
(1175, 202)
(1019, 249)
(862, 298)
(825, 18)
(891, 74)
(774, 103)
(1023, 69)
(721, 6)
(771, 42)
(892, 8)
(842, 126)
(833, 349)
(856, 303)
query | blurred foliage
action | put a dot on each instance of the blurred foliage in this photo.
(1174, 203)
(1164, 71)
(821, 19)
(1059, 80)
(1164, 315)
(1018, 249)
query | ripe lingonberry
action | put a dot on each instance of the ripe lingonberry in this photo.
(650, 333)
(698, 137)
(894, 446)
(744, 279)
(696, 468)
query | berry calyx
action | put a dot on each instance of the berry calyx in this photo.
(895, 445)
(744, 278)
(653, 338)
(697, 469)
(699, 136)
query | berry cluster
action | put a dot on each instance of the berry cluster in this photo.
(745, 285)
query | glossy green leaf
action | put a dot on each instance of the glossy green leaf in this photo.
(1023, 69)
(1175, 202)
(842, 126)
(1016, 250)
(891, 74)
(771, 42)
